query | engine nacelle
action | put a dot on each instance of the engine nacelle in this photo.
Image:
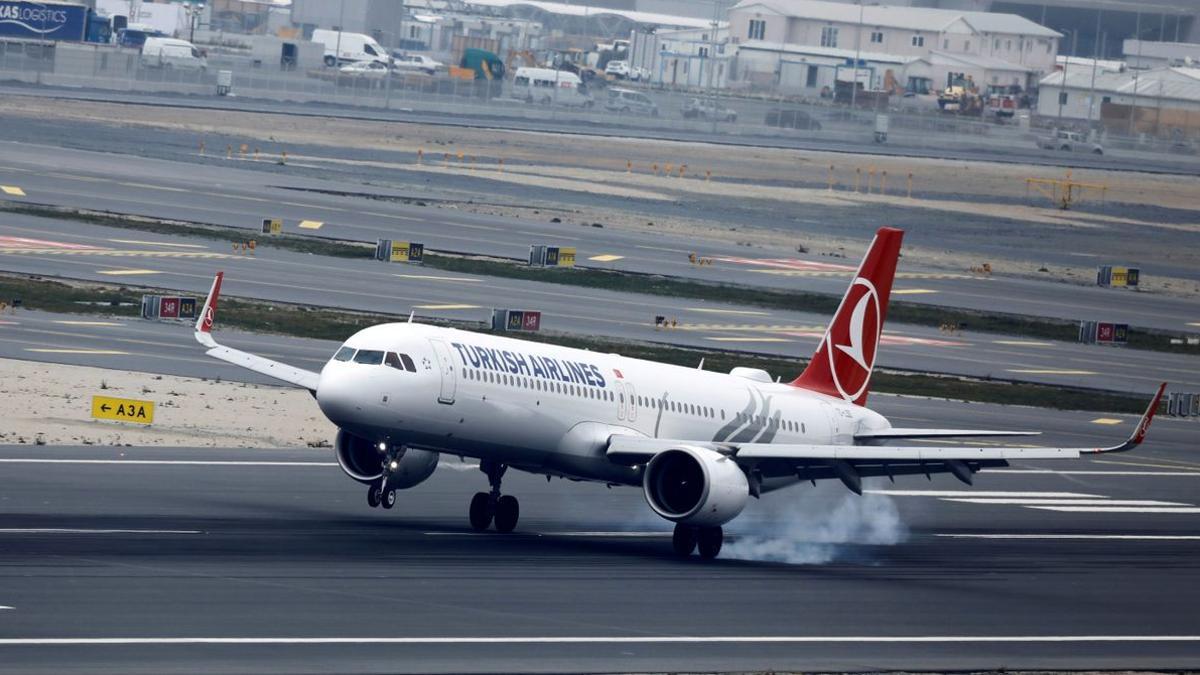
(361, 460)
(695, 486)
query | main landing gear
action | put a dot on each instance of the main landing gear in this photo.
(688, 538)
(489, 507)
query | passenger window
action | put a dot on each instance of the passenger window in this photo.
(370, 357)
(344, 354)
(408, 363)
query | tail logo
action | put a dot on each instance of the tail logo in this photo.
(856, 341)
(208, 318)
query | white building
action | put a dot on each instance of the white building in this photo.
(1146, 54)
(996, 46)
(692, 57)
(1167, 97)
(799, 69)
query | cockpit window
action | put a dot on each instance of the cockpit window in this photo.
(369, 357)
(408, 363)
(344, 354)
(400, 362)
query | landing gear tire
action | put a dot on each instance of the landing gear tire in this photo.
(373, 496)
(709, 542)
(482, 511)
(388, 499)
(684, 540)
(508, 510)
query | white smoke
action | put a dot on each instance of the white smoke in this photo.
(813, 526)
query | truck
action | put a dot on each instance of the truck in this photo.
(58, 21)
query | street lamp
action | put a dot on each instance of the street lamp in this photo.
(857, 56)
(1062, 91)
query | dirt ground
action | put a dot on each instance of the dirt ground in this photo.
(51, 404)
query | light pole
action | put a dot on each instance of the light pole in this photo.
(857, 56)
(1095, 65)
(1133, 100)
(1062, 92)
(712, 58)
(337, 50)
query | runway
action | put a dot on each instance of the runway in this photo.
(137, 344)
(208, 190)
(151, 560)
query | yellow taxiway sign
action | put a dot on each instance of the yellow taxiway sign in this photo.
(123, 409)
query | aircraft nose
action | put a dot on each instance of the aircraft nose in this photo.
(336, 395)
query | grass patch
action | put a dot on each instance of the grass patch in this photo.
(329, 324)
(919, 314)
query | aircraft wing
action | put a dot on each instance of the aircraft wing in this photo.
(822, 461)
(897, 433)
(280, 371)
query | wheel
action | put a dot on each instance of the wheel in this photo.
(372, 496)
(625, 110)
(1098, 151)
(330, 61)
(388, 499)
(546, 100)
(508, 510)
(481, 511)
(1065, 148)
(709, 542)
(684, 540)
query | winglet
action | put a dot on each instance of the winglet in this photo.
(1139, 433)
(208, 314)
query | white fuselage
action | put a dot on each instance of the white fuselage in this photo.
(551, 409)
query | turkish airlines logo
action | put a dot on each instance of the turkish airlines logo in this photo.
(208, 318)
(855, 341)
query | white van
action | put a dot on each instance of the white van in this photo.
(162, 52)
(350, 48)
(548, 86)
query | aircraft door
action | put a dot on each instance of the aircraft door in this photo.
(631, 405)
(446, 365)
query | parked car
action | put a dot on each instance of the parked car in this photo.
(639, 74)
(708, 110)
(1069, 141)
(547, 86)
(628, 101)
(792, 119)
(373, 69)
(617, 69)
(418, 62)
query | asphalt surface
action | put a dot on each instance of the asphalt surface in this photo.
(854, 139)
(241, 197)
(189, 264)
(270, 561)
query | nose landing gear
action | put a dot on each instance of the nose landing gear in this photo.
(378, 493)
(492, 507)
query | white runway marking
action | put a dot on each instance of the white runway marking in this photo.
(984, 493)
(615, 639)
(184, 462)
(72, 530)
(1099, 537)
(2, 607)
(1063, 502)
(1051, 472)
(1119, 509)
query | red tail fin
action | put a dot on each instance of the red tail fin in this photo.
(842, 364)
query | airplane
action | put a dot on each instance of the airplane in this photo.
(700, 444)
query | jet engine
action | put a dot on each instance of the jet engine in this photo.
(695, 486)
(362, 460)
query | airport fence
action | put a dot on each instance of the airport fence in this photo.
(105, 68)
